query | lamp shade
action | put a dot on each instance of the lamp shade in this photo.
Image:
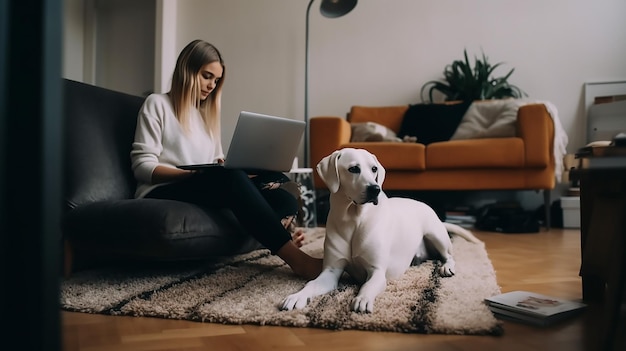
(336, 8)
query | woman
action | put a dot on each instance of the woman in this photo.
(183, 127)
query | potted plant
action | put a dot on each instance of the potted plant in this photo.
(464, 82)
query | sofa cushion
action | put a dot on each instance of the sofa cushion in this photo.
(154, 229)
(432, 122)
(373, 132)
(389, 116)
(395, 156)
(476, 153)
(488, 119)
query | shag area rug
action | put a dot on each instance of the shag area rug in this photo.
(248, 288)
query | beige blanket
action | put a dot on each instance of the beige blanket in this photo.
(496, 119)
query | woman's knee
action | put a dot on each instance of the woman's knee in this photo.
(282, 202)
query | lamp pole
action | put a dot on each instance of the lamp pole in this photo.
(306, 88)
(330, 9)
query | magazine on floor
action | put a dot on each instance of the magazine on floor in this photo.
(533, 308)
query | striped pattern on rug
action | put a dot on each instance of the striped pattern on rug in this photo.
(247, 289)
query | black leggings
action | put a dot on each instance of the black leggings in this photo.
(258, 211)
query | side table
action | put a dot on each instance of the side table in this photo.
(603, 240)
(304, 178)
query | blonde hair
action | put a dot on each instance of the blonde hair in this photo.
(185, 89)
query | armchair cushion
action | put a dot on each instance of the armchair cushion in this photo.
(155, 229)
(99, 130)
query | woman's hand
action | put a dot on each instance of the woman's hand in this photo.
(271, 185)
(162, 174)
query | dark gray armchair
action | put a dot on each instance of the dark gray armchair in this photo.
(101, 219)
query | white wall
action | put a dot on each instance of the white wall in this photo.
(73, 29)
(383, 51)
(110, 43)
(166, 50)
(262, 45)
(125, 45)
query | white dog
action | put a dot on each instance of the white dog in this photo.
(371, 236)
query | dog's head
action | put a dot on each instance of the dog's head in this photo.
(355, 172)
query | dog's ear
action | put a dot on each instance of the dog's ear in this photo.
(327, 170)
(380, 176)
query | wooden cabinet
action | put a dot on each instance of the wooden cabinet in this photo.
(603, 243)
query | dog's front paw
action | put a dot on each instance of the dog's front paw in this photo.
(294, 301)
(363, 304)
(447, 269)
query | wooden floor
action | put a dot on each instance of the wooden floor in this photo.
(545, 262)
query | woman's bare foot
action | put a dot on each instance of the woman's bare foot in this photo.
(310, 268)
(300, 262)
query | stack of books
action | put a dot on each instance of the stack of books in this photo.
(532, 308)
(573, 191)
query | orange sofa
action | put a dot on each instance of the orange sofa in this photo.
(523, 162)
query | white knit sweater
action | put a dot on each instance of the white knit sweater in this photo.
(161, 140)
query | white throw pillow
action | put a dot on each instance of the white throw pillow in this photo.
(370, 131)
(488, 119)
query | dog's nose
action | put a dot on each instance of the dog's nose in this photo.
(372, 192)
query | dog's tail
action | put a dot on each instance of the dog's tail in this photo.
(460, 231)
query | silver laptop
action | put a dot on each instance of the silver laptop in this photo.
(261, 143)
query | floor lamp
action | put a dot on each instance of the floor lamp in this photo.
(330, 9)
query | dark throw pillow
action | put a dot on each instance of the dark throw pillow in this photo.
(432, 122)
